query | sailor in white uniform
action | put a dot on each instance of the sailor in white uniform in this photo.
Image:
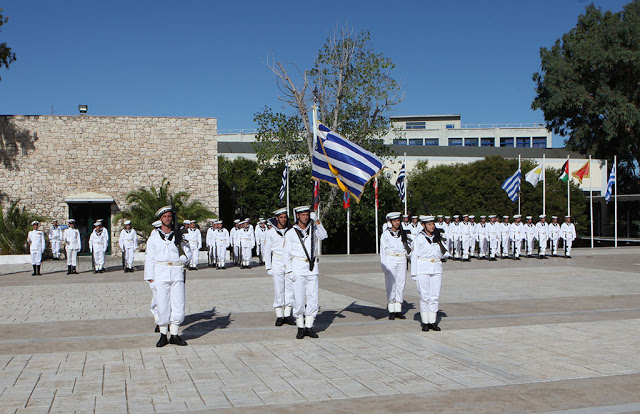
(128, 242)
(274, 264)
(245, 238)
(55, 237)
(542, 234)
(194, 238)
(222, 243)
(529, 235)
(35, 238)
(517, 234)
(71, 238)
(482, 238)
(98, 244)
(568, 231)
(554, 235)
(394, 248)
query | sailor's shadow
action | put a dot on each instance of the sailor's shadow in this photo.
(326, 318)
(203, 323)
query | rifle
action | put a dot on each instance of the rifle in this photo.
(177, 238)
(93, 262)
(124, 252)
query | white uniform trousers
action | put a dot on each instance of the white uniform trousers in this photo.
(36, 257)
(517, 247)
(194, 257)
(305, 291)
(221, 255)
(246, 254)
(236, 253)
(567, 246)
(98, 258)
(154, 301)
(484, 247)
(259, 251)
(395, 276)
(72, 256)
(542, 243)
(466, 247)
(128, 256)
(55, 248)
(429, 290)
(457, 246)
(554, 245)
(530, 242)
(472, 247)
(506, 248)
(494, 244)
(170, 299)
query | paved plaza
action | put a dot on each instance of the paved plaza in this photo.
(557, 335)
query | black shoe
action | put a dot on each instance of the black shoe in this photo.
(434, 327)
(425, 327)
(162, 341)
(310, 333)
(279, 321)
(289, 320)
(568, 256)
(35, 271)
(392, 316)
(176, 340)
(399, 315)
(157, 329)
(68, 270)
(39, 267)
(74, 271)
(300, 334)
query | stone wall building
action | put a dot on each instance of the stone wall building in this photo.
(82, 167)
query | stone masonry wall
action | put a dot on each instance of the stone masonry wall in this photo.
(46, 159)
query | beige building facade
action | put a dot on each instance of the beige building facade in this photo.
(83, 166)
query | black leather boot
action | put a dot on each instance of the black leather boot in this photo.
(279, 321)
(35, 272)
(300, 334)
(38, 268)
(425, 327)
(74, 270)
(162, 341)
(310, 333)
(69, 269)
(176, 340)
(399, 315)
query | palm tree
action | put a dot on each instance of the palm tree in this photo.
(15, 225)
(143, 204)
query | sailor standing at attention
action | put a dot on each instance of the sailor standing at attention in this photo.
(517, 234)
(222, 243)
(483, 242)
(394, 248)
(128, 242)
(235, 247)
(542, 234)
(210, 241)
(245, 238)
(493, 236)
(529, 234)
(568, 235)
(554, 235)
(274, 263)
(35, 238)
(261, 234)
(426, 269)
(98, 244)
(300, 263)
(55, 237)
(72, 246)
(194, 238)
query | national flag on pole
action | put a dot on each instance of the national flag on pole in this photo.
(535, 175)
(564, 177)
(610, 183)
(512, 185)
(400, 183)
(341, 163)
(375, 187)
(346, 200)
(316, 195)
(582, 172)
(283, 188)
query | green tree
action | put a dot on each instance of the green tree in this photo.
(15, 224)
(144, 202)
(6, 54)
(588, 88)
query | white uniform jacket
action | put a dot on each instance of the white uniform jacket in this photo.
(493, 231)
(542, 231)
(568, 231)
(273, 247)
(36, 241)
(391, 245)
(505, 229)
(55, 233)
(295, 260)
(194, 238)
(426, 256)
(232, 235)
(245, 238)
(517, 231)
(529, 230)
(455, 231)
(554, 231)
(72, 238)
(481, 231)
(99, 241)
(162, 261)
(221, 237)
(210, 238)
(128, 239)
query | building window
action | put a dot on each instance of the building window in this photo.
(432, 141)
(488, 142)
(415, 125)
(539, 142)
(506, 142)
(401, 141)
(416, 141)
(450, 126)
(455, 142)
(471, 142)
(523, 142)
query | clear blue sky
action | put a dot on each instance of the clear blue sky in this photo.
(207, 58)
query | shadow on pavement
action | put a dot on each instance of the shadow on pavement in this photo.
(202, 323)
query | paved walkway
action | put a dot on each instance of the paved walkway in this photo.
(534, 335)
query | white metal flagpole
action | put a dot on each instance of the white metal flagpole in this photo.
(519, 190)
(591, 200)
(406, 188)
(375, 201)
(348, 231)
(544, 187)
(568, 189)
(615, 201)
(287, 167)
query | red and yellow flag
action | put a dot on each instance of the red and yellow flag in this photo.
(583, 172)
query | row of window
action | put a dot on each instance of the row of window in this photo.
(422, 125)
(520, 142)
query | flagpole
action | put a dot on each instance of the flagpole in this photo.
(286, 165)
(348, 232)
(568, 191)
(315, 138)
(519, 190)
(591, 200)
(544, 187)
(406, 188)
(615, 201)
(375, 201)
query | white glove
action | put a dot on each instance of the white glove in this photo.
(184, 259)
(313, 216)
(446, 255)
(270, 272)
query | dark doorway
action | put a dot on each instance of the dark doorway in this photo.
(85, 214)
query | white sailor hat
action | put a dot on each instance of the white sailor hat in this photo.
(96, 224)
(567, 216)
(127, 222)
(157, 223)
(393, 215)
(425, 219)
(516, 216)
(236, 221)
(447, 217)
(456, 216)
(262, 220)
(440, 215)
(529, 218)
(163, 210)
(72, 221)
(542, 216)
(505, 216)
(35, 222)
(302, 209)
(218, 221)
(247, 219)
(554, 217)
(472, 216)
(186, 222)
(405, 215)
(492, 215)
(280, 211)
(465, 215)
(412, 217)
(483, 217)
(99, 220)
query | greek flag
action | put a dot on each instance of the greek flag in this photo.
(512, 186)
(283, 188)
(400, 183)
(612, 180)
(341, 163)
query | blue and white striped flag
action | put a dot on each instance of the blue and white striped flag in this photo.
(512, 186)
(341, 163)
(400, 183)
(283, 188)
(612, 180)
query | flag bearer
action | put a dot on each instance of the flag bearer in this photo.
(394, 248)
(35, 238)
(55, 237)
(542, 234)
(274, 263)
(554, 235)
(299, 256)
(72, 246)
(568, 231)
(98, 244)
(529, 234)
(426, 269)
(128, 242)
